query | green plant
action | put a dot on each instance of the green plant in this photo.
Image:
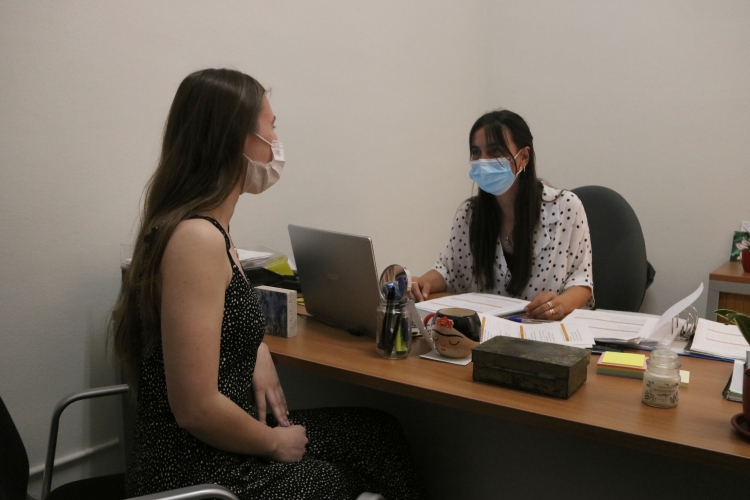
(736, 318)
(744, 244)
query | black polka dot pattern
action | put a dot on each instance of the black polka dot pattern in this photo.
(350, 450)
(562, 251)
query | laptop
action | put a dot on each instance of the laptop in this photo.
(338, 277)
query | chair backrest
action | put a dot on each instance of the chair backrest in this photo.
(14, 463)
(621, 271)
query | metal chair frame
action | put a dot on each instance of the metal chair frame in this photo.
(190, 493)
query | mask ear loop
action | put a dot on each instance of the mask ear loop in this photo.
(520, 170)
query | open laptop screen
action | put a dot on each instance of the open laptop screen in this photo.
(338, 277)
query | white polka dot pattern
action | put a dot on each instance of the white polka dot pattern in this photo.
(562, 251)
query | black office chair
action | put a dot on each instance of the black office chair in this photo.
(622, 273)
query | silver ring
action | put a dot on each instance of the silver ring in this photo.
(549, 303)
(551, 312)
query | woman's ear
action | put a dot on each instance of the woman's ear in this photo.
(523, 159)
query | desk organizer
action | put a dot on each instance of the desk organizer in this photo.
(528, 365)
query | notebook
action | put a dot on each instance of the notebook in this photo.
(338, 277)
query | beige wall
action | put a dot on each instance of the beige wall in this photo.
(651, 99)
(374, 101)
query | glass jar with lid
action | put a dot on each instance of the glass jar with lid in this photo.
(661, 381)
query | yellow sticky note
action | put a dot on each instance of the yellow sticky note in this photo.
(684, 378)
(623, 359)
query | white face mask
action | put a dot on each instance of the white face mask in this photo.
(261, 176)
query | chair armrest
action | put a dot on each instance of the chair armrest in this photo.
(49, 462)
(192, 493)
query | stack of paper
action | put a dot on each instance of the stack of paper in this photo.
(719, 340)
(635, 329)
(483, 303)
(566, 332)
(613, 327)
(621, 364)
(252, 258)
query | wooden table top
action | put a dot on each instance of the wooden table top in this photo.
(605, 408)
(730, 271)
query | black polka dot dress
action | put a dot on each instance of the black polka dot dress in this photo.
(562, 251)
(350, 450)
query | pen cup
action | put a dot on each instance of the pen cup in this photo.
(393, 333)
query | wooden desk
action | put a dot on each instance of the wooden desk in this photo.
(604, 408)
(728, 288)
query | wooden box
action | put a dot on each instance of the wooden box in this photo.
(528, 365)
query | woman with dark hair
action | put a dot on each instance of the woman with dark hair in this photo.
(517, 237)
(188, 329)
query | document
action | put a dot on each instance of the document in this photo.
(613, 327)
(630, 329)
(482, 303)
(720, 340)
(566, 332)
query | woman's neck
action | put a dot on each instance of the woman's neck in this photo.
(507, 202)
(224, 212)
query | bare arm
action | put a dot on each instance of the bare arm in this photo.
(195, 274)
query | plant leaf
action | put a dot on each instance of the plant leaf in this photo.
(741, 320)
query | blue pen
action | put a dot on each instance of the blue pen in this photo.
(516, 319)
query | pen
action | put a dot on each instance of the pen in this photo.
(516, 319)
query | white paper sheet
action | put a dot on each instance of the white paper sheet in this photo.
(566, 332)
(606, 326)
(485, 303)
(717, 339)
(662, 332)
(622, 328)
(738, 373)
(249, 257)
(435, 356)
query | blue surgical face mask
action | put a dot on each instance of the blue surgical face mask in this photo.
(493, 176)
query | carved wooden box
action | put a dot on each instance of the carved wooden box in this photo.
(528, 365)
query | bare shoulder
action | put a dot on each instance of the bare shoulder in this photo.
(196, 245)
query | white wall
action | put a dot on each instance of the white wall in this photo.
(373, 104)
(651, 99)
(374, 101)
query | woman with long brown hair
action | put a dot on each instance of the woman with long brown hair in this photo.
(517, 237)
(188, 329)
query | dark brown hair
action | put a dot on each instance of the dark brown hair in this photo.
(201, 162)
(486, 214)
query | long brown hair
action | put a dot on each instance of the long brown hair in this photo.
(201, 162)
(486, 215)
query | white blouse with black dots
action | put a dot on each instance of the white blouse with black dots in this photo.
(562, 251)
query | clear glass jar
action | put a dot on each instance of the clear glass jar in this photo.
(393, 333)
(661, 381)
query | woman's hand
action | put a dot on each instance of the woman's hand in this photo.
(290, 444)
(267, 388)
(547, 305)
(420, 289)
(431, 281)
(550, 306)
